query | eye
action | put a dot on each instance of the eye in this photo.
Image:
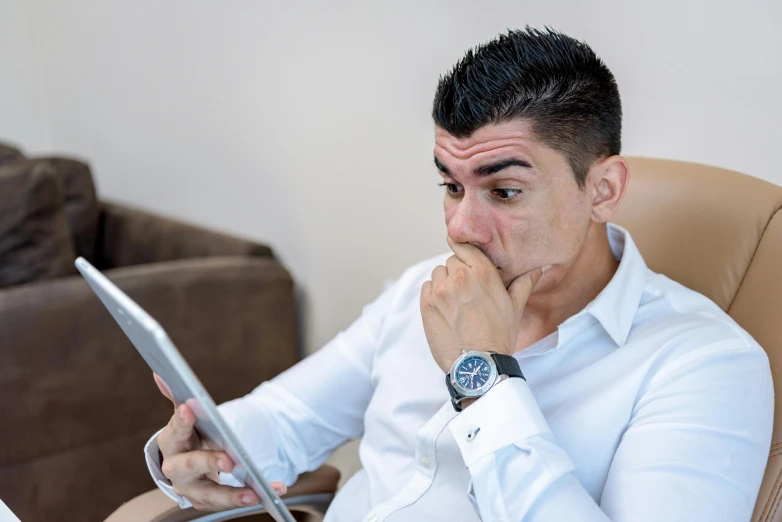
(505, 192)
(451, 188)
(504, 195)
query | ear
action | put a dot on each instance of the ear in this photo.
(608, 179)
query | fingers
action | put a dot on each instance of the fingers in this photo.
(206, 495)
(178, 436)
(439, 273)
(453, 263)
(469, 254)
(521, 287)
(198, 463)
(164, 389)
(279, 488)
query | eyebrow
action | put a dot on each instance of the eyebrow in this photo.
(488, 170)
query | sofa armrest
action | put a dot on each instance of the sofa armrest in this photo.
(84, 401)
(129, 236)
(312, 493)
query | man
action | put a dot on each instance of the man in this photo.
(640, 400)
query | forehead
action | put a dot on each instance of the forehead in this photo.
(489, 141)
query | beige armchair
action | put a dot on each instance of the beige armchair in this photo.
(713, 230)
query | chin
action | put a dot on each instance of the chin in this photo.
(507, 281)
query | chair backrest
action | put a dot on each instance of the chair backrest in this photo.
(718, 232)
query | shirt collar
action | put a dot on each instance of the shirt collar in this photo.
(616, 305)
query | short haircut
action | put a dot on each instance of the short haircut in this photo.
(556, 83)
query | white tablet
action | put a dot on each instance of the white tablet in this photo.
(6, 515)
(164, 359)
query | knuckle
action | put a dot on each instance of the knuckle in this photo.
(459, 274)
(190, 464)
(440, 290)
(481, 270)
(167, 469)
(177, 425)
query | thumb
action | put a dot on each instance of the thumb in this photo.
(521, 287)
(164, 389)
(178, 435)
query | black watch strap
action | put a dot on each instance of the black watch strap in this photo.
(455, 397)
(507, 365)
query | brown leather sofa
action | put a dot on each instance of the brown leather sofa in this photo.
(77, 403)
(714, 230)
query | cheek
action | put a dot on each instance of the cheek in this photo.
(550, 232)
(569, 225)
(571, 214)
(530, 237)
(524, 239)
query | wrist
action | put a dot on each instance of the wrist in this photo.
(466, 402)
(475, 372)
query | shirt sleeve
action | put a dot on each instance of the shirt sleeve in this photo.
(153, 464)
(695, 448)
(292, 423)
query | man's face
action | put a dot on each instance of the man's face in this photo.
(528, 213)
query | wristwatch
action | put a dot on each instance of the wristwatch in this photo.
(475, 372)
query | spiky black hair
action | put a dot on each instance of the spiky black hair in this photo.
(556, 83)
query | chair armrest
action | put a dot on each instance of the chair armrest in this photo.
(311, 494)
(128, 236)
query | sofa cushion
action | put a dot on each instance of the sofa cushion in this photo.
(35, 242)
(9, 153)
(81, 203)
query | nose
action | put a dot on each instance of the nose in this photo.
(469, 223)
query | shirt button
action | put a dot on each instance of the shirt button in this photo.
(372, 518)
(425, 462)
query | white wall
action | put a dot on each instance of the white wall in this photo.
(22, 105)
(306, 124)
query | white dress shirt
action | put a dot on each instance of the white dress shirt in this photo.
(651, 404)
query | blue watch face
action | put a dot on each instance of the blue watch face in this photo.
(473, 373)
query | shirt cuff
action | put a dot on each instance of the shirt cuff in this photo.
(153, 463)
(506, 413)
